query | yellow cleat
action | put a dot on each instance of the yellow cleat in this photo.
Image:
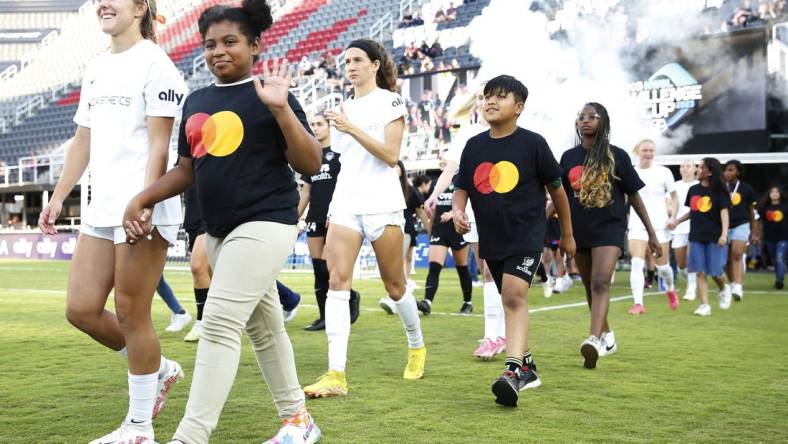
(416, 358)
(331, 383)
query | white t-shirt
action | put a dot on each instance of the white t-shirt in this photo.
(454, 153)
(681, 188)
(659, 183)
(366, 184)
(118, 92)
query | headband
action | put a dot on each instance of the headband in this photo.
(367, 47)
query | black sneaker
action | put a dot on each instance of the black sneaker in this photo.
(319, 324)
(424, 306)
(778, 285)
(528, 377)
(507, 389)
(355, 301)
(467, 308)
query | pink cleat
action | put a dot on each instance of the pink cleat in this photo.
(673, 299)
(500, 345)
(486, 349)
(637, 309)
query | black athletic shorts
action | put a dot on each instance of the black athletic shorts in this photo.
(521, 266)
(448, 238)
(191, 236)
(316, 229)
(551, 244)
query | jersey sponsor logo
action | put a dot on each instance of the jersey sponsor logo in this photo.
(735, 198)
(219, 134)
(574, 177)
(435, 238)
(774, 216)
(397, 102)
(329, 156)
(324, 173)
(109, 100)
(171, 96)
(700, 203)
(500, 177)
(525, 267)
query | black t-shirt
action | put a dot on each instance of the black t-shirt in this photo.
(775, 226)
(238, 150)
(413, 202)
(322, 186)
(740, 202)
(596, 227)
(192, 220)
(705, 207)
(442, 206)
(505, 180)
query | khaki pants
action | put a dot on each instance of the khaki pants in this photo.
(242, 296)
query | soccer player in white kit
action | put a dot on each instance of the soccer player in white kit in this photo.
(680, 240)
(130, 96)
(367, 203)
(659, 183)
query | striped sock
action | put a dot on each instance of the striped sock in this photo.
(514, 364)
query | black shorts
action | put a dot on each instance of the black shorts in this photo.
(191, 236)
(551, 244)
(316, 229)
(446, 238)
(521, 266)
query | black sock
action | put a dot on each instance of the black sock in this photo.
(650, 275)
(514, 364)
(465, 282)
(542, 275)
(431, 287)
(320, 269)
(200, 296)
(528, 360)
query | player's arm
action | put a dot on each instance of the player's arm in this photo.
(76, 161)
(443, 182)
(673, 209)
(304, 198)
(159, 131)
(561, 205)
(424, 218)
(387, 151)
(458, 203)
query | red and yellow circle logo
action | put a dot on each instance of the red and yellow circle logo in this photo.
(735, 198)
(774, 216)
(700, 203)
(500, 177)
(219, 134)
(574, 177)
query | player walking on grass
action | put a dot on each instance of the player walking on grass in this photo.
(367, 132)
(773, 209)
(237, 140)
(504, 171)
(658, 182)
(316, 194)
(709, 202)
(598, 177)
(680, 235)
(130, 96)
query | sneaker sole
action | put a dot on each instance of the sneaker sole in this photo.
(161, 400)
(316, 395)
(737, 297)
(590, 355)
(386, 308)
(505, 394)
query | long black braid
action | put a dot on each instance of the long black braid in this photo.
(599, 169)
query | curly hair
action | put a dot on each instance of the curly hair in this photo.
(599, 169)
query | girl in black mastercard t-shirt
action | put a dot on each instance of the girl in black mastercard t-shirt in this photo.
(773, 210)
(598, 177)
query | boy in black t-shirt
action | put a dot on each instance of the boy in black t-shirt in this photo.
(504, 171)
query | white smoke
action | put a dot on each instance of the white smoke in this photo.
(588, 67)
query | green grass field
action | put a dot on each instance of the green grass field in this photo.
(676, 377)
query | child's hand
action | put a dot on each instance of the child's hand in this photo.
(723, 240)
(273, 87)
(136, 221)
(654, 245)
(461, 224)
(446, 216)
(567, 245)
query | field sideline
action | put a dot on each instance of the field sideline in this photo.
(676, 377)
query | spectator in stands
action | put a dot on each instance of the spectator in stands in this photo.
(407, 21)
(303, 66)
(440, 16)
(411, 53)
(417, 20)
(427, 65)
(435, 50)
(451, 12)
(442, 125)
(455, 64)
(425, 106)
(424, 49)
(14, 222)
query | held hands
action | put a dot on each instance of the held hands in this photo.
(48, 216)
(137, 221)
(671, 225)
(445, 217)
(272, 88)
(461, 224)
(338, 119)
(429, 205)
(654, 246)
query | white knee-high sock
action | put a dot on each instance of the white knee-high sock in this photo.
(491, 310)
(501, 328)
(142, 396)
(636, 279)
(666, 273)
(337, 328)
(406, 308)
(692, 282)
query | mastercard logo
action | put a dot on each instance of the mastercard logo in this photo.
(700, 203)
(500, 177)
(218, 134)
(735, 198)
(774, 216)
(574, 177)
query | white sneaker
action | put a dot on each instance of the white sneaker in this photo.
(178, 322)
(703, 310)
(548, 288)
(128, 432)
(725, 297)
(410, 283)
(609, 345)
(292, 433)
(689, 296)
(289, 315)
(387, 305)
(591, 349)
(568, 281)
(194, 333)
(477, 283)
(173, 374)
(737, 292)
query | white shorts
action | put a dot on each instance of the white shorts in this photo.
(472, 237)
(679, 240)
(370, 226)
(663, 236)
(118, 235)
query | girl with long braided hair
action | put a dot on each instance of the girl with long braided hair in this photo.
(598, 177)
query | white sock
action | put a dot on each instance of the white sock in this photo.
(636, 279)
(683, 271)
(124, 353)
(406, 308)
(337, 328)
(666, 273)
(501, 328)
(163, 367)
(142, 396)
(491, 307)
(692, 282)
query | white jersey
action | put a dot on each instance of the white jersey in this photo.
(659, 184)
(454, 153)
(366, 184)
(681, 190)
(118, 92)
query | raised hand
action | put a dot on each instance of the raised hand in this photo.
(272, 88)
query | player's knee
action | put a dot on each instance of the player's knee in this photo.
(395, 289)
(82, 318)
(600, 285)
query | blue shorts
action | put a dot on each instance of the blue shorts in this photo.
(708, 258)
(740, 233)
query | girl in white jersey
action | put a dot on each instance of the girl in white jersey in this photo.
(367, 132)
(130, 96)
(659, 183)
(680, 235)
